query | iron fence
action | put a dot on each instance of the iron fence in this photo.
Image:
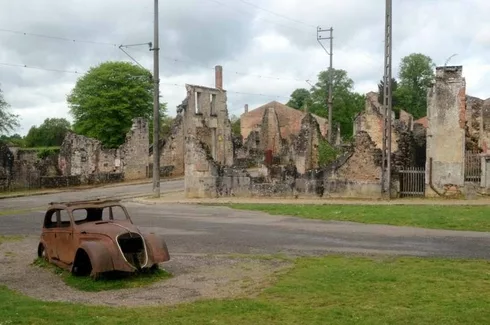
(472, 166)
(412, 182)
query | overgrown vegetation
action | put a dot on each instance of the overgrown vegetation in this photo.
(44, 153)
(326, 153)
(425, 216)
(333, 290)
(106, 282)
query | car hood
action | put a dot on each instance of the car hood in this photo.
(111, 229)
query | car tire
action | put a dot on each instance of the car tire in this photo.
(42, 253)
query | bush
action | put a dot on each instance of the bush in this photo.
(326, 153)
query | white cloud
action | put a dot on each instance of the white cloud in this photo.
(242, 38)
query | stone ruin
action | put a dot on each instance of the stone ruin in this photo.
(80, 160)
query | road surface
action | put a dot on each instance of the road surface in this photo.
(195, 229)
(36, 201)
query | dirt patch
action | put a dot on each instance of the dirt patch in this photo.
(195, 277)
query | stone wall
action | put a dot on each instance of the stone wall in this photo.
(371, 122)
(172, 153)
(134, 152)
(83, 156)
(289, 120)
(446, 115)
(305, 146)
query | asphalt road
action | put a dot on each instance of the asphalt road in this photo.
(89, 194)
(192, 229)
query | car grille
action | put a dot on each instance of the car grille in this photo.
(133, 249)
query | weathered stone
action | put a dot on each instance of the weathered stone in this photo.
(83, 156)
(446, 113)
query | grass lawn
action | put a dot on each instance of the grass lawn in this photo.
(476, 218)
(113, 282)
(327, 290)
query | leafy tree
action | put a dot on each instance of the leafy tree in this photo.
(235, 125)
(49, 134)
(107, 98)
(8, 120)
(416, 74)
(15, 139)
(299, 98)
(346, 102)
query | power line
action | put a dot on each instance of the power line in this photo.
(168, 84)
(276, 14)
(54, 37)
(265, 19)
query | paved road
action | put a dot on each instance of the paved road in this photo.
(113, 191)
(191, 229)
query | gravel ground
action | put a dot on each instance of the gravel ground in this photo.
(195, 277)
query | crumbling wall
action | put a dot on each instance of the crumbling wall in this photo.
(133, 153)
(446, 114)
(305, 146)
(371, 122)
(206, 118)
(357, 172)
(172, 153)
(83, 156)
(484, 142)
(270, 132)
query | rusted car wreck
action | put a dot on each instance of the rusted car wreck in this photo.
(94, 237)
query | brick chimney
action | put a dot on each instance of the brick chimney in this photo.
(246, 108)
(218, 74)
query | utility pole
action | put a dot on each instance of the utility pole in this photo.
(156, 107)
(387, 105)
(330, 77)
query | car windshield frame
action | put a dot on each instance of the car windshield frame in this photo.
(94, 218)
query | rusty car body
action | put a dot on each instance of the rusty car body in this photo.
(97, 236)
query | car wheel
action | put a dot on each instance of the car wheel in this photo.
(42, 253)
(82, 265)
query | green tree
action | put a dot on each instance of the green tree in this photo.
(8, 120)
(108, 97)
(49, 134)
(235, 125)
(16, 140)
(415, 76)
(299, 98)
(346, 102)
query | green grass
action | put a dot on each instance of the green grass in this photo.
(455, 217)
(328, 290)
(10, 238)
(112, 282)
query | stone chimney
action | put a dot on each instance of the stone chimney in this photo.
(246, 108)
(218, 74)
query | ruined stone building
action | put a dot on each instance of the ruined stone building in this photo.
(203, 115)
(371, 121)
(274, 126)
(80, 160)
(83, 156)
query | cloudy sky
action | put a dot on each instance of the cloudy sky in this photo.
(265, 52)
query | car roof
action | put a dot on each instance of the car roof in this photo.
(97, 203)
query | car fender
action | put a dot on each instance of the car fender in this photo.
(157, 248)
(100, 256)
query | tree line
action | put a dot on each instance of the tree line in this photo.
(409, 93)
(106, 99)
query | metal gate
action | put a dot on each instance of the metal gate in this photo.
(412, 182)
(472, 166)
